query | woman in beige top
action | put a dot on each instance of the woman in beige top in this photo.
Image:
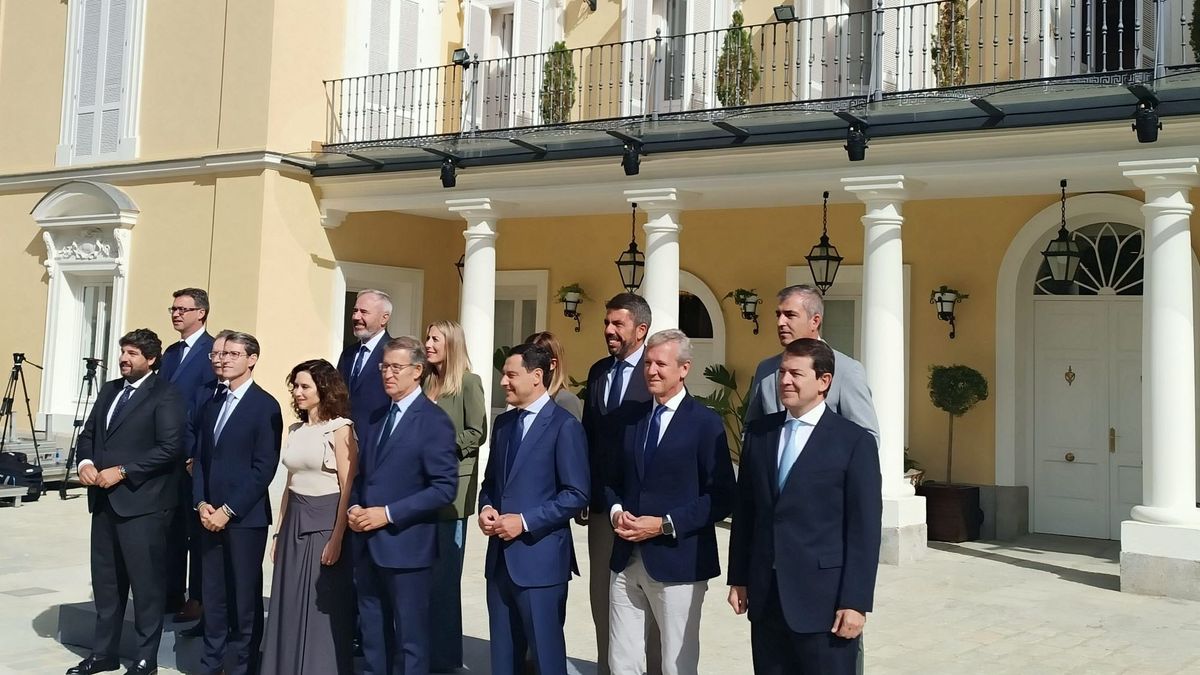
(311, 619)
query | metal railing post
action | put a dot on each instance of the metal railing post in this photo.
(473, 97)
(656, 62)
(877, 54)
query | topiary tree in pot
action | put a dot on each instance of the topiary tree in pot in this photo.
(558, 85)
(952, 512)
(950, 44)
(955, 389)
(737, 67)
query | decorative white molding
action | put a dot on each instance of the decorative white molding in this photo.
(332, 218)
(124, 174)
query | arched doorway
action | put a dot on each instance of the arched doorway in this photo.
(700, 318)
(1087, 362)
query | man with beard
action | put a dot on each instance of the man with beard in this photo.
(128, 453)
(616, 396)
(359, 362)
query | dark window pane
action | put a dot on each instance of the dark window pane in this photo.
(693, 317)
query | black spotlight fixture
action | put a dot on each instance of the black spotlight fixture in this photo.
(462, 262)
(631, 159)
(785, 13)
(461, 58)
(449, 173)
(856, 142)
(1062, 253)
(632, 263)
(1145, 121)
(823, 259)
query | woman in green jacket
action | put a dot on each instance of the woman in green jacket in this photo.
(451, 384)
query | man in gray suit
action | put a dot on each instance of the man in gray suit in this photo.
(799, 315)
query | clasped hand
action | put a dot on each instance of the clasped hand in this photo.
(636, 528)
(212, 518)
(507, 526)
(366, 519)
(90, 475)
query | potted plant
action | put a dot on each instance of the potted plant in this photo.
(727, 402)
(952, 511)
(737, 70)
(572, 293)
(558, 85)
(950, 44)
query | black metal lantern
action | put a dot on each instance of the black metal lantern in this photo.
(749, 305)
(823, 259)
(632, 263)
(944, 299)
(462, 262)
(571, 308)
(1062, 253)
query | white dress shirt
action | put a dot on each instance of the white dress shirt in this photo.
(113, 407)
(631, 362)
(807, 422)
(371, 343)
(189, 342)
(671, 406)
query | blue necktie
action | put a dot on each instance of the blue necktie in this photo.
(514, 441)
(791, 450)
(652, 434)
(121, 402)
(388, 425)
(356, 370)
(614, 390)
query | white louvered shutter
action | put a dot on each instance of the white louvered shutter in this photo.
(475, 37)
(703, 47)
(891, 58)
(528, 51)
(113, 89)
(1149, 28)
(375, 124)
(100, 87)
(638, 58)
(91, 66)
(411, 83)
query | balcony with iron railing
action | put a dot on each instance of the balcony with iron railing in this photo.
(935, 49)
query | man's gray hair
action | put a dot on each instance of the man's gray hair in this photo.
(383, 298)
(810, 298)
(414, 347)
(678, 337)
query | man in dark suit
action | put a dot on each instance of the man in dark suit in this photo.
(804, 548)
(407, 470)
(128, 452)
(359, 362)
(237, 436)
(672, 485)
(616, 395)
(186, 365)
(536, 480)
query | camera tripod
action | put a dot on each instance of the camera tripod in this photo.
(86, 386)
(7, 426)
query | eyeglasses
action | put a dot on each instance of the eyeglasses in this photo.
(213, 356)
(394, 368)
(181, 310)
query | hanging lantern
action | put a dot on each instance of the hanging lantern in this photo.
(1062, 253)
(632, 263)
(823, 259)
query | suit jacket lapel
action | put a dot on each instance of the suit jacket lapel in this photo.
(203, 344)
(536, 428)
(771, 460)
(813, 447)
(140, 394)
(371, 363)
(639, 444)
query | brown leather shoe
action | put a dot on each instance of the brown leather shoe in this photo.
(191, 611)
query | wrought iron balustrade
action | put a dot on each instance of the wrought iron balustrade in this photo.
(887, 47)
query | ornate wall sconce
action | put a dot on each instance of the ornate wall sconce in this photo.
(747, 301)
(570, 296)
(944, 299)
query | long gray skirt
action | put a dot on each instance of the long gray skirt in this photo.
(310, 624)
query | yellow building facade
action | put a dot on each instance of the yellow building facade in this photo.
(250, 148)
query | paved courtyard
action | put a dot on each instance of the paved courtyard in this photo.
(1039, 605)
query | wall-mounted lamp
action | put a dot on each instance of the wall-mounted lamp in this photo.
(570, 296)
(461, 58)
(449, 173)
(785, 13)
(944, 299)
(747, 301)
(631, 159)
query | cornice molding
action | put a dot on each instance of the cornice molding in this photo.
(135, 172)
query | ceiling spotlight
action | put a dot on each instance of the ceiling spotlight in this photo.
(631, 159)
(1145, 121)
(785, 13)
(461, 57)
(449, 171)
(856, 142)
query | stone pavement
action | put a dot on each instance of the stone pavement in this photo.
(1040, 605)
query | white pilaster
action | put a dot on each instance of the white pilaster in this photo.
(660, 285)
(904, 535)
(477, 306)
(1152, 559)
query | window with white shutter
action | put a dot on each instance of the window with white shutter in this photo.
(100, 89)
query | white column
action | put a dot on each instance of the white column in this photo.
(1160, 546)
(883, 357)
(660, 286)
(477, 307)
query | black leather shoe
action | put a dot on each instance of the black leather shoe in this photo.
(196, 631)
(94, 664)
(142, 667)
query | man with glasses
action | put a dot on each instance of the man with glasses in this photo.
(237, 437)
(407, 470)
(359, 362)
(186, 365)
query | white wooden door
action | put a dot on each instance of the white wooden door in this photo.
(1087, 382)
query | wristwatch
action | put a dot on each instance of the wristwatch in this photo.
(121, 470)
(667, 528)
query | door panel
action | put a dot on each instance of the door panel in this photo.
(1125, 411)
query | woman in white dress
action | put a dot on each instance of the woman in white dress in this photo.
(310, 625)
